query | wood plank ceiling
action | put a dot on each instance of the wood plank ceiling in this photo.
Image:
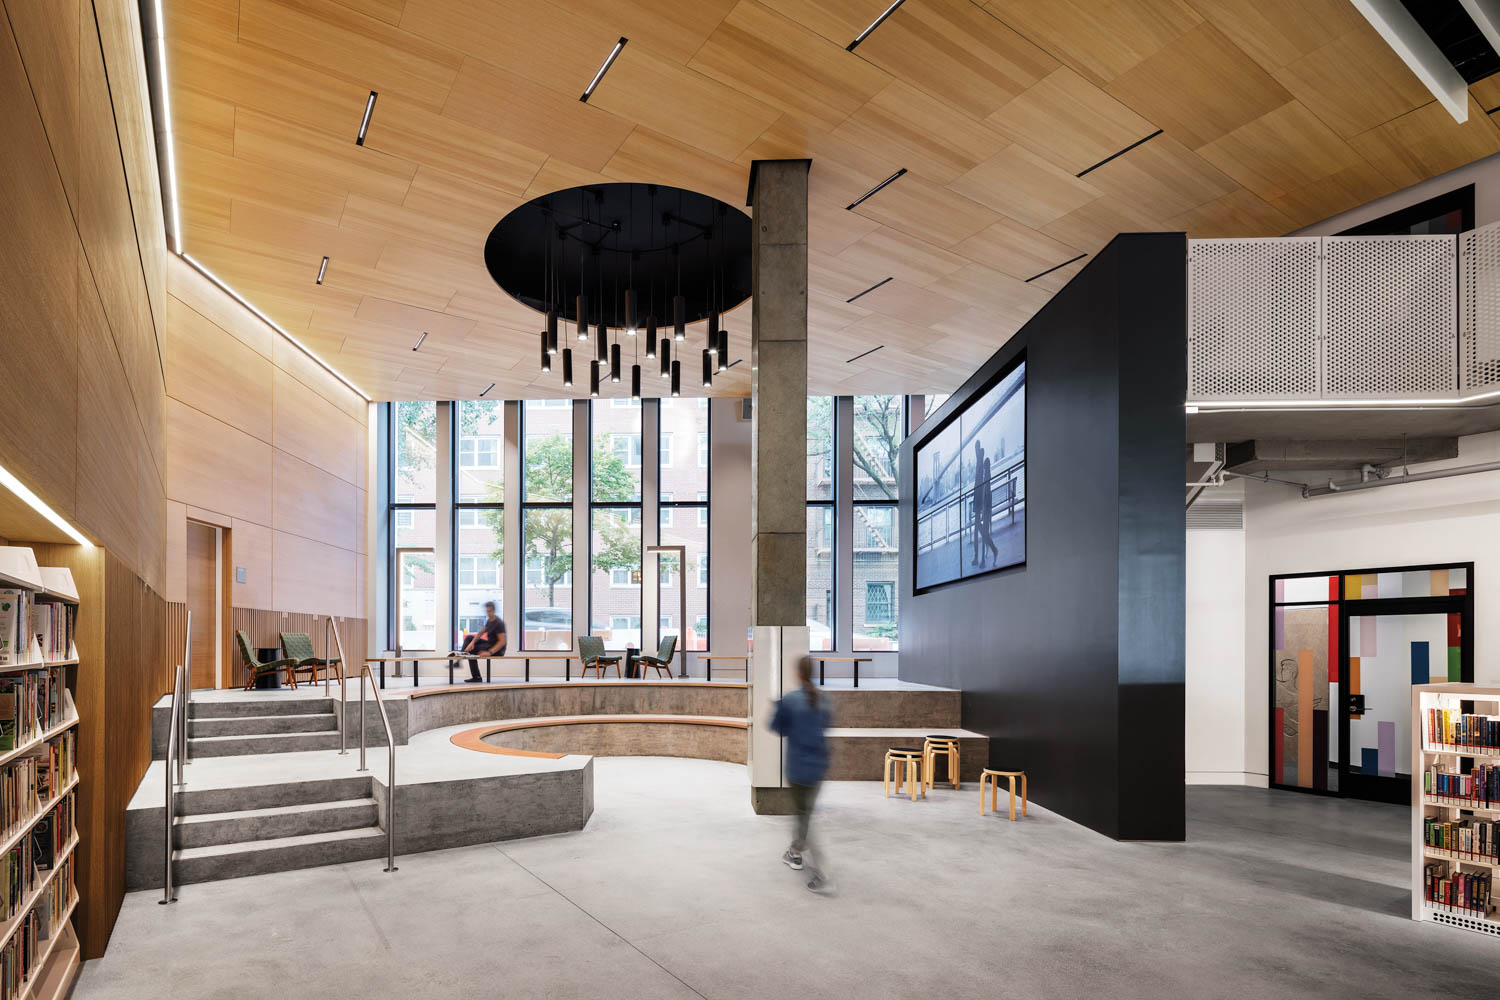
(1272, 114)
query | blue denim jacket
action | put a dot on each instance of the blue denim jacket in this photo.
(803, 725)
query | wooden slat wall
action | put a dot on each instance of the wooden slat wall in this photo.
(265, 627)
(176, 631)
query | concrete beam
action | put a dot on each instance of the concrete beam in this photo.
(1316, 456)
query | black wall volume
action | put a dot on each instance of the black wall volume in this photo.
(1072, 664)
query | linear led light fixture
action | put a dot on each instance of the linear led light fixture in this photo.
(197, 266)
(35, 502)
(867, 291)
(874, 24)
(1338, 404)
(364, 123)
(609, 61)
(864, 355)
(1049, 270)
(486, 392)
(1420, 53)
(873, 191)
(166, 113)
(1111, 156)
(322, 270)
(419, 341)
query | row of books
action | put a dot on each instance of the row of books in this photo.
(29, 703)
(15, 619)
(1451, 728)
(52, 623)
(1479, 789)
(18, 878)
(56, 765)
(19, 958)
(1470, 837)
(1459, 890)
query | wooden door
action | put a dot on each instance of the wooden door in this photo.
(203, 600)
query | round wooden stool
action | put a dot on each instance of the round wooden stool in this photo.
(992, 777)
(946, 747)
(906, 762)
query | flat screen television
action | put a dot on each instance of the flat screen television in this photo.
(971, 486)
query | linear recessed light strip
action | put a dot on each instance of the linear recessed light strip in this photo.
(1122, 152)
(322, 270)
(35, 502)
(609, 61)
(874, 24)
(418, 346)
(166, 114)
(364, 123)
(1051, 269)
(1338, 404)
(864, 355)
(867, 291)
(275, 326)
(874, 190)
(486, 392)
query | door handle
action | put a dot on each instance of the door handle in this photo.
(1355, 704)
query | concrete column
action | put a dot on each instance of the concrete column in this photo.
(778, 493)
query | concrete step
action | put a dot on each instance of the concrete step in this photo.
(259, 725)
(234, 746)
(278, 854)
(277, 822)
(289, 705)
(204, 801)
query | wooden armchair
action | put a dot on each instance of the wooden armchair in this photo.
(662, 661)
(256, 667)
(592, 655)
(298, 646)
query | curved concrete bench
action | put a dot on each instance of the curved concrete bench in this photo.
(475, 703)
(703, 737)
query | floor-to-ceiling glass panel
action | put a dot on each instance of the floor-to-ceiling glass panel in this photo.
(415, 442)
(481, 451)
(615, 578)
(547, 595)
(820, 577)
(480, 556)
(686, 526)
(876, 564)
(416, 599)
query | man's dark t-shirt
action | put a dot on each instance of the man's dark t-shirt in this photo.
(491, 633)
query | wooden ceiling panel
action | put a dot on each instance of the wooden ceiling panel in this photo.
(921, 131)
(1022, 185)
(1427, 142)
(1070, 121)
(1161, 178)
(1100, 40)
(356, 47)
(1016, 250)
(779, 62)
(957, 52)
(1277, 113)
(681, 103)
(1281, 151)
(1199, 86)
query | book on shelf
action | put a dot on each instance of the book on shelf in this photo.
(1452, 889)
(1445, 727)
(14, 622)
(1473, 838)
(1479, 789)
(52, 624)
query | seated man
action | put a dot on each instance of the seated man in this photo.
(488, 641)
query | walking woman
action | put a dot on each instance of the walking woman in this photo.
(801, 716)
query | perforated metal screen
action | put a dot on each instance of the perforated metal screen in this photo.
(1479, 333)
(1253, 318)
(1392, 316)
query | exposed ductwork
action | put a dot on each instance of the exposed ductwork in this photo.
(1414, 477)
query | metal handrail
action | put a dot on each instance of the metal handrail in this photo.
(390, 743)
(330, 624)
(176, 750)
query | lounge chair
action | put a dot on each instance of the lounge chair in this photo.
(662, 661)
(592, 655)
(259, 667)
(298, 646)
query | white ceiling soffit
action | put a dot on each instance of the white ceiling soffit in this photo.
(1421, 55)
(1486, 17)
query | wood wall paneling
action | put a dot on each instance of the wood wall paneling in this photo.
(202, 599)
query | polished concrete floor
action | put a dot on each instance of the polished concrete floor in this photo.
(675, 891)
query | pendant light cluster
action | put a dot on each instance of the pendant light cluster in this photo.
(608, 316)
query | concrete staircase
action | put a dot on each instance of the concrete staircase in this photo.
(234, 728)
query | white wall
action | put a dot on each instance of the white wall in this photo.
(1446, 520)
(1214, 742)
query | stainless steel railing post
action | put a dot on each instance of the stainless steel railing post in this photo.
(362, 719)
(187, 687)
(390, 746)
(343, 682)
(173, 750)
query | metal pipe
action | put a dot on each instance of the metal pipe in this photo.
(1415, 477)
(390, 743)
(343, 683)
(173, 750)
(362, 720)
(187, 688)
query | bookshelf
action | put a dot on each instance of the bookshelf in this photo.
(1456, 806)
(39, 778)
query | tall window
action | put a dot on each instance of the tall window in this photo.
(547, 525)
(683, 483)
(479, 512)
(878, 431)
(615, 522)
(820, 536)
(412, 503)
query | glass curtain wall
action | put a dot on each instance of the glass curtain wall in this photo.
(547, 524)
(683, 453)
(821, 426)
(412, 503)
(615, 458)
(879, 428)
(479, 512)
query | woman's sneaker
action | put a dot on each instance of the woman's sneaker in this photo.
(817, 883)
(793, 860)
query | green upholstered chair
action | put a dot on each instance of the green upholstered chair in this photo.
(258, 667)
(592, 655)
(298, 646)
(662, 661)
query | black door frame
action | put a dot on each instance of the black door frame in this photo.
(1463, 604)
